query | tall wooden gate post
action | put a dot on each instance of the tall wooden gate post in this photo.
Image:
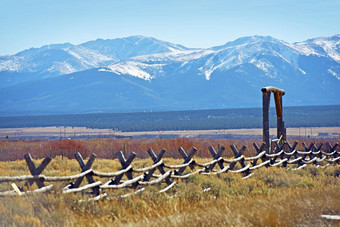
(265, 117)
(278, 93)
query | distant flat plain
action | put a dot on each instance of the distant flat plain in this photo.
(73, 132)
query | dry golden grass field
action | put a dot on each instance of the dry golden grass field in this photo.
(271, 197)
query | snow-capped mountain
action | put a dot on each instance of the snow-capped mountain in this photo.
(248, 50)
(58, 59)
(140, 73)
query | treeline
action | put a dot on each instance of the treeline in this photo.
(310, 116)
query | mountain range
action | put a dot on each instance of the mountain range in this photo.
(140, 73)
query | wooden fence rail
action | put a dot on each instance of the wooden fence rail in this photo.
(281, 155)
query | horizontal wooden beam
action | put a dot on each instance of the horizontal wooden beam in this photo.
(273, 89)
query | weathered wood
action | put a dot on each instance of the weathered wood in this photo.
(279, 148)
(158, 180)
(258, 151)
(36, 171)
(36, 191)
(168, 187)
(281, 131)
(291, 151)
(160, 168)
(216, 155)
(16, 189)
(279, 115)
(129, 183)
(331, 217)
(273, 89)
(187, 158)
(45, 178)
(124, 163)
(90, 185)
(265, 119)
(84, 167)
(238, 154)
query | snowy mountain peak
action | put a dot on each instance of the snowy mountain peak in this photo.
(124, 48)
(247, 40)
(330, 39)
(58, 59)
(321, 46)
(30, 51)
(147, 58)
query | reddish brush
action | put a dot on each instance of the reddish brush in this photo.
(108, 148)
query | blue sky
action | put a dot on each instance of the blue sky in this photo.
(192, 23)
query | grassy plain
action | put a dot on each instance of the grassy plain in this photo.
(271, 197)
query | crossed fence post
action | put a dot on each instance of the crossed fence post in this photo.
(84, 167)
(237, 155)
(279, 147)
(124, 163)
(258, 151)
(187, 159)
(36, 171)
(291, 149)
(216, 156)
(160, 168)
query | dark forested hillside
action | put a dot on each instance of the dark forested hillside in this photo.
(310, 116)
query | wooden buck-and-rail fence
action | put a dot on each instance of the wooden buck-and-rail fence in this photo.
(282, 154)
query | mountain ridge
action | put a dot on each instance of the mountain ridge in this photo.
(170, 76)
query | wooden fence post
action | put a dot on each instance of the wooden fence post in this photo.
(36, 171)
(187, 158)
(307, 149)
(281, 132)
(160, 168)
(125, 164)
(265, 118)
(279, 147)
(85, 167)
(258, 151)
(216, 156)
(238, 154)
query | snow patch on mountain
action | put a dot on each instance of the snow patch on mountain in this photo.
(175, 56)
(9, 63)
(322, 46)
(331, 47)
(265, 66)
(89, 58)
(136, 69)
(334, 74)
(62, 67)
